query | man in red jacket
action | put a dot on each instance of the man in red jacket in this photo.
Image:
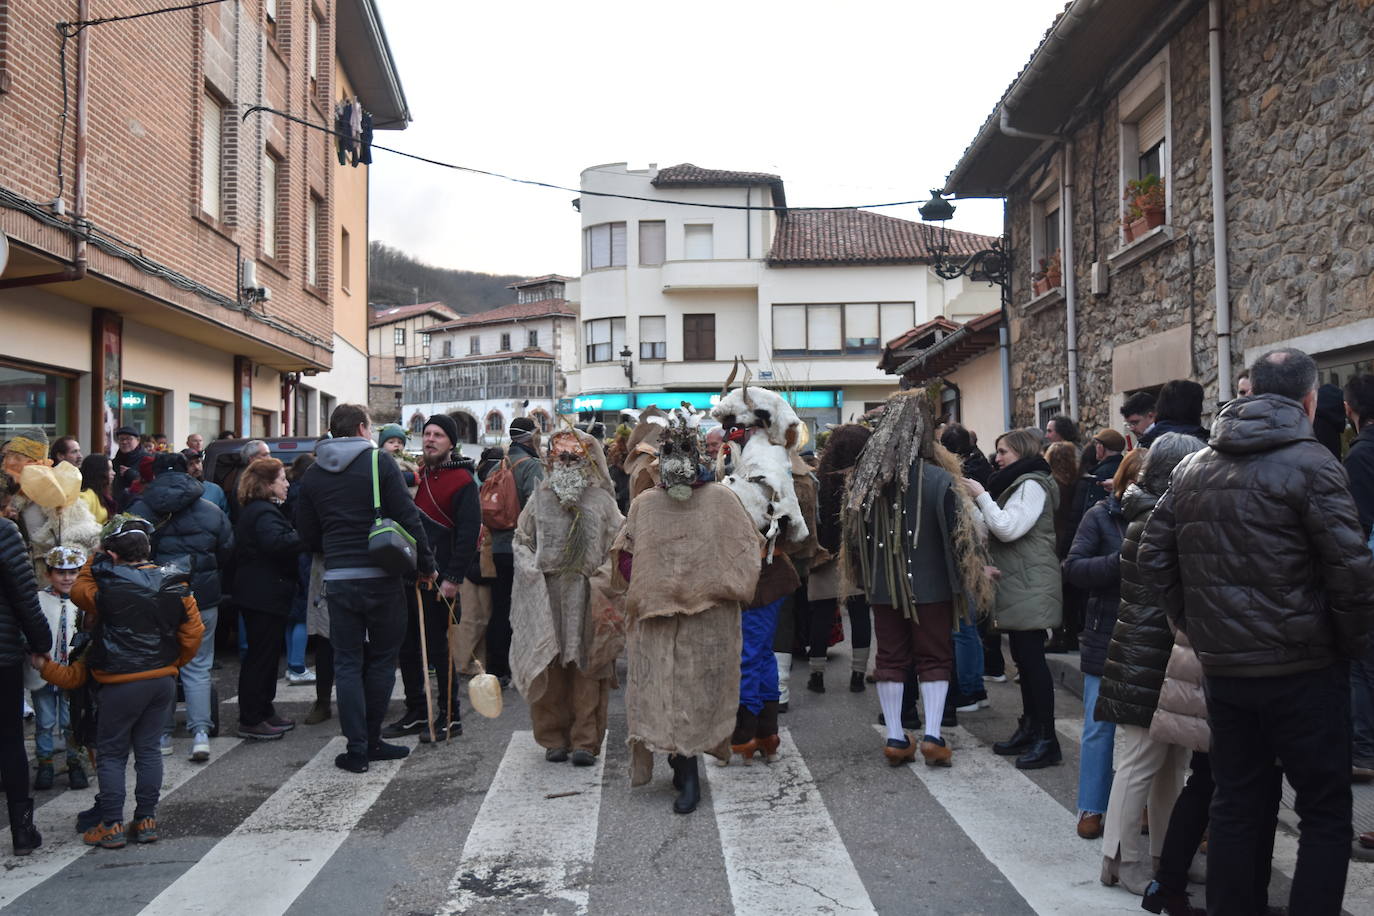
(446, 495)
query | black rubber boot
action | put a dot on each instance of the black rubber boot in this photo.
(1043, 752)
(856, 682)
(76, 774)
(23, 833)
(43, 778)
(687, 780)
(816, 682)
(1020, 741)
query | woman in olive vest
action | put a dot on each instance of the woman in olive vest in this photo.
(1018, 506)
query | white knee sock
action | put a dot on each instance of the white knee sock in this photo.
(784, 660)
(933, 700)
(890, 698)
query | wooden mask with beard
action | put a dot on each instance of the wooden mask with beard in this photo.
(679, 454)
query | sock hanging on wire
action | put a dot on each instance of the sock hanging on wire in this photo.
(933, 695)
(890, 699)
(784, 660)
(859, 662)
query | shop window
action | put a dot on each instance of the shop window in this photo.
(262, 424)
(207, 416)
(141, 408)
(37, 397)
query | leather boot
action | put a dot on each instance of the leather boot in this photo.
(687, 780)
(767, 733)
(1043, 752)
(1020, 740)
(1174, 903)
(23, 833)
(744, 741)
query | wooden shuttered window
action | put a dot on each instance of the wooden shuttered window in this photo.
(699, 337)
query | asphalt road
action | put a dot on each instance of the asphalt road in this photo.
(274, 827)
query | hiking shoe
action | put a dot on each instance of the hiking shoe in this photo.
(318, 713)
(583, 758)
(263, 731)
(42, 780)
(353, 763)
(300, 677)
(455, 728)
(383, 751)
(200, 747)
(144, 830)
(87, 819)
(166, 745)
(410, 723)
(281, 722)
(76, 774)
(106, 836)
(556, 754)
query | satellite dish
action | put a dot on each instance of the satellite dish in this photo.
(4, 251)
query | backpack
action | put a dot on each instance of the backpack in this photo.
(500, 498)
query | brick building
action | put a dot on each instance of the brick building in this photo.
(140, 249)
(1280, 109)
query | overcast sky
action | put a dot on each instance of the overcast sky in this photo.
(862, 103)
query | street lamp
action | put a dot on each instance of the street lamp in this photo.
(991, 264)
(627, 363)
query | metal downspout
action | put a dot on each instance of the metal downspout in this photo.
(1221, 267)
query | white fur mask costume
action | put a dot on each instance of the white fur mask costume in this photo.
(762, 477)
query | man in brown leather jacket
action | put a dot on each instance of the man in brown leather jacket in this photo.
(1259, 556)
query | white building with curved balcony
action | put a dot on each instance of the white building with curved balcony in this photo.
(675, 286)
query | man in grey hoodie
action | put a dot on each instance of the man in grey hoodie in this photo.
(367, 606)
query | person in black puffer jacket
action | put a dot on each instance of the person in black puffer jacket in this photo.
(193, 534)
(266, 571)
(1094, 565)
(1149, 772)
(23, 631)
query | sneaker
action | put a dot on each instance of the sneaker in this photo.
(302, 677)
(455, 729)
(995, 678)
(106, 836)
(353, 763)
(200, 747)
(260, 732)
(87, 819)
(410, 723)
(281, 722)
(166, 746)
(144, 830)
(76, 774)
(383, 751)
(967, 705)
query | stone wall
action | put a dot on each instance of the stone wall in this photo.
(1299, 118)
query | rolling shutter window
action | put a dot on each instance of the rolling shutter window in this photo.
(651, 242)
(617, 244)
(789, 330)
(861, 328)
(697, 243)
(598, 246)
(1150, 129)
(823, 329)
(897, 318)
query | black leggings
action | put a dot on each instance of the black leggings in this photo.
(993, 663)
(498, 627)
(1037, 686)
(14, 760)
(823, 622)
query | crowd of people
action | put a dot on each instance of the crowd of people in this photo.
(1215, 582)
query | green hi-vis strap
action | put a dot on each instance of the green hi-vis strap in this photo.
(376, 485)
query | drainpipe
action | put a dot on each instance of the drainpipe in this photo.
(1070, 285)
(1221, 268)
(77, 269)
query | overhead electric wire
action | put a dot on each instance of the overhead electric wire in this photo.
(70, 29)
(254, 109)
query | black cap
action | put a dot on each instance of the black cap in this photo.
(169, 461)
(126, 431)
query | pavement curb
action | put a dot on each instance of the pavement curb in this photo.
(1064, 668)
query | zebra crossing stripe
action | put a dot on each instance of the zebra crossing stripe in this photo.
(533, 843)
(56, 820)
(1021, 830)
(275, 852)
(303, 693)
(782, 851)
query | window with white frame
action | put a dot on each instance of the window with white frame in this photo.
(271, 202)
(1144, 125)
(1046, 225)
(398, 337)
(448, 348)
(505, 341)
(653, 240)
(312, 51)
(604, 245)
(474, 345)
(604, 339)
(838, 329)
(314, 234)
(533, 342)
(653, 337)
(698, 243)
(212, 156)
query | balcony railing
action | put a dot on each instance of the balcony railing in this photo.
(494, 379)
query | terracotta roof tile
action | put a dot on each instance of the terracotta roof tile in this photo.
(389, 314)
(851, 236)
(520, 311)
(676, 176)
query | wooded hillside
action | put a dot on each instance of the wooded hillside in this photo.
(393, 278)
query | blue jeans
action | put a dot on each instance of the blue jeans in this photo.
(295, 646)
(1362, 707)
(968, 659)
(758, 670)
(1094, 754)
(195, 681)
(51, 711)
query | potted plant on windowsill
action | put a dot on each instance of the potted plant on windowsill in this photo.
(1049, 275)
(1144, 199)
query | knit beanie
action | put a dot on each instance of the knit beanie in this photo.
(446, 424)
(521, 429)
(397, 431)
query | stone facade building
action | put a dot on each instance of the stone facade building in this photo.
(1118, 92)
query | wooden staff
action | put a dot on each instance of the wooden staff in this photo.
(424, 661)
(452, 664)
